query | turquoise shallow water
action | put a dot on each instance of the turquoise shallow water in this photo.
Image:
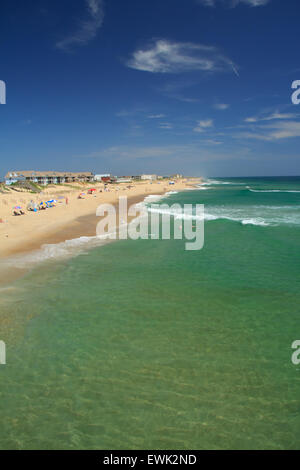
(141, 344)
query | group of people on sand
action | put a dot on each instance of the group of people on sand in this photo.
(92, 192)
(106, 189)
(34, 207)
(18, 211)
(42, 206)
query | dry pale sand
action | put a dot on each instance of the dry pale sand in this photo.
(65, 221)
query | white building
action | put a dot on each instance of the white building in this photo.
(149, 177)
(99, 177)
(124, 180)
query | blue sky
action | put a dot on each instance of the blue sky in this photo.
(201, 87)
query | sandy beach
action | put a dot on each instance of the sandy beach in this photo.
(70, 218)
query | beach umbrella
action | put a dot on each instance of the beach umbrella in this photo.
(32, 206)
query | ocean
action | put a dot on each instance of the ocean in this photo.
(144, 345)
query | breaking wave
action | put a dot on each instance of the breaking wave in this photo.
(63, 250)
(249, 215)
(272, 190)
(217, 182)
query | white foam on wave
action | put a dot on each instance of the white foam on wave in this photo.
(244, 221)
(47, 252)
(153, 198)
(213, 182)
(256, 215)
(216, 182)
(207, 216)
(257, 221)
(248, 215)
(272, 190)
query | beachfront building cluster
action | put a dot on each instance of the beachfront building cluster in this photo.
(47, 177)
(44, 178)
(157, 177)
(176, 176)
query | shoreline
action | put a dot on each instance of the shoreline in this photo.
(28, 234)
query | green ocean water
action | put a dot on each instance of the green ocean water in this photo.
(144, 345)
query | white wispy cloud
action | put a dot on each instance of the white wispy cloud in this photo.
(271, 117)
(185, 99)
(274, 131)
(204, 125)
(208, 3)
(233, 3)
(221, 106)
(164, 56)
(165, 125)
(88, 27)
(252, 3)
(156, 116)
(212, 142)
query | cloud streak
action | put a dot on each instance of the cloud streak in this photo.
(233, 3)
(156, 116)
(165, 125)
(271, 117)
(164, 56)
(88, 27)
(221, 106)
(274, 131)
(204, 125)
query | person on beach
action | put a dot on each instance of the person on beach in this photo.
(18, 212)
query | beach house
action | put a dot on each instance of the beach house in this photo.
(105, 177)
(149, 177)
(47, 177)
